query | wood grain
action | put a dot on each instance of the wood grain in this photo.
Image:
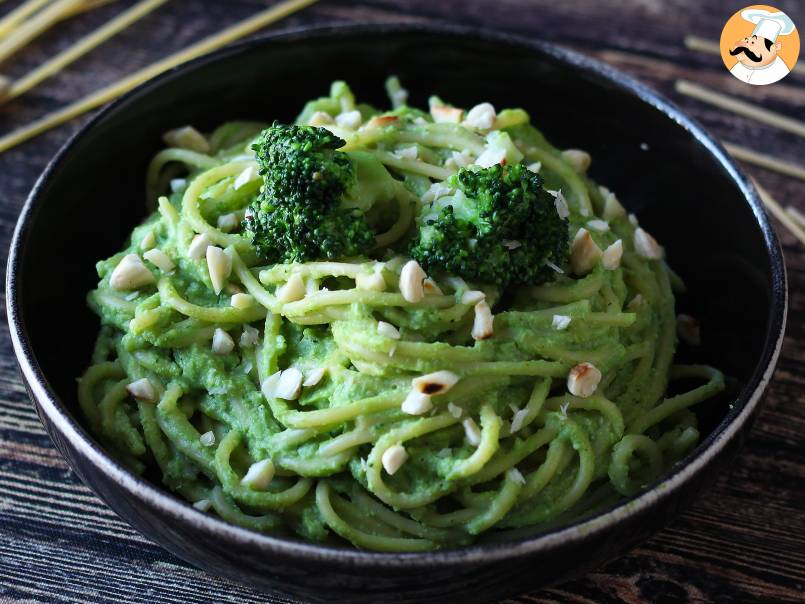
(743, 541)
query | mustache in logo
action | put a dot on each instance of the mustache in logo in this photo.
(743, 49)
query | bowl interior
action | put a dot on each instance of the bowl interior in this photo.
(93, 194)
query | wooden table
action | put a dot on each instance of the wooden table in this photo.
(743, 541)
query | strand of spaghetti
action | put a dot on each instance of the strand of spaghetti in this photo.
(254, 499)
(796, 215)
(361, 296)
(499, 506)
(109, 370)
(490, 442)
(171, 297)
(191, 210)
(185, 156)
(532, 368)
(400, 434)
(413, 165)
(765, 161)
(400, 522)
(87, 6)
(19, 14)
(779, 213)
(80, 48)
(34, 26)
(405, 206)
(742, 108)
(106, 94)
(712, 47)
(620, 468)
(714, 384)
(115, 422)
(359, 537)
(229, 511)
(316, 270)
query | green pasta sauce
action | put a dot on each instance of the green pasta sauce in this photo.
(350, 398)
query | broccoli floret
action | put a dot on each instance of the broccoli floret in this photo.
(314, 198)
(498, 227)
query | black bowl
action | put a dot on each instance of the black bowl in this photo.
(662, 164)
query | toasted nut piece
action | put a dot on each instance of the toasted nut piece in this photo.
(387, 330)
(688, 329)
(187, 137)
(461, 159)
(259, 475)
(222, 342)
(410, 152)
(130, 273)
(578, 159)
(601, 226)
(481, 117)
(612, 207)
(208, 439)
(560, 322)
(229, 222)
(416, 403)
(442, 114)
(515, 476)
(454, 410)
(203, 505)
(371, 281)
(611, 258)
(313, 377)
(349, 119)
(381, 121)
(411, 278)
(635, 303)
(472, 431)
(198, 246)
(289, 386)
(393, 458)
(293, 290)
(269, 385)
(431, 288)
(492, 156)
(320, 118)
(159, 259)
(518, 419)
(560, 203)
(646, 246)
(435, 383)
(472, 297)
(249, 337)
(244, 178)
(584, 252)
(148, 241)
(219, 266)
(583, 379)
(142, 390)
(242, 301)
(483, 325)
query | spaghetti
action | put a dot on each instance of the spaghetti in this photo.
(320, 399)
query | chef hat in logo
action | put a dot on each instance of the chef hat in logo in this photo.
(768, 24)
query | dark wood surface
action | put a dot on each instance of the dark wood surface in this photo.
(743, 541)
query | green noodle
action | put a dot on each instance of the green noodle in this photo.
(507, 447)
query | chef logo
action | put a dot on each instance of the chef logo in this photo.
(760, 45)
